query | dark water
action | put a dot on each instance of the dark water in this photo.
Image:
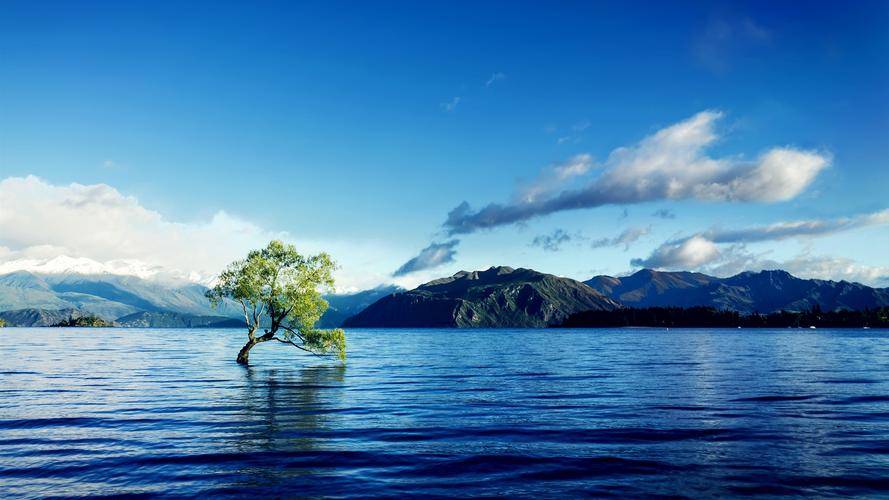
(522, 413)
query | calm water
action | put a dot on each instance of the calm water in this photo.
(532, 413)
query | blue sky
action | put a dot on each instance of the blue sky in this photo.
(357, 127)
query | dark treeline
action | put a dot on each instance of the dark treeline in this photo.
(710, 317)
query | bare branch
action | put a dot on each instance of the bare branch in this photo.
(244, 307)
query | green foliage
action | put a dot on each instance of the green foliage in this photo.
(2, 323)
(280, 290)
(322, 341)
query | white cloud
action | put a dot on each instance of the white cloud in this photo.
(668, 165)
(42, 221)
(690, 253)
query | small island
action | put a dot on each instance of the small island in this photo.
(88, 321)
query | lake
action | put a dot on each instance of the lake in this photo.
(446, 412)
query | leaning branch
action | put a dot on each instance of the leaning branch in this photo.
(291, 330)
(284, 341)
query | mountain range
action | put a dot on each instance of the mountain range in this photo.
(747, 292)
(496, 297)
(504, 297)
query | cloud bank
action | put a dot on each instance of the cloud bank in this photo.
(99, 228)
(434, 255)
(671, 164)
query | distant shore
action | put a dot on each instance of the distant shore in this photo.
(708, 317)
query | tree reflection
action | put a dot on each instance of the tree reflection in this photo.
(286, 410)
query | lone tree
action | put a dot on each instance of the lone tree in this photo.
(279, 291)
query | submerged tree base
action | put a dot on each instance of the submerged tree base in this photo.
(244, 354)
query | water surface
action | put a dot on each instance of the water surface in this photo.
(446, 412)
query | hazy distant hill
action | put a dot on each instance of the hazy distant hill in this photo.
(497, 297)
(107, 296)
(764, 291)
(43, 299)
(37, 317)
(147, 319)
(344, 306)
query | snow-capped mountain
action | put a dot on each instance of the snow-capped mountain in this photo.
(65, 265)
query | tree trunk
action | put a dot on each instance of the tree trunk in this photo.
(244, 354)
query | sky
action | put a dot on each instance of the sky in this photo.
(411, 140)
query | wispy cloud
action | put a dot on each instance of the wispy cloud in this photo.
(554, 177)
(581, 126)
(793, 229)
(727, 37)
(670, 164)
(552, 242)
(575, 134)
(626, 238)
(664, 213)
(737, 259)
(436, 254)
(495, 77)
(723, 249)
(451, 105)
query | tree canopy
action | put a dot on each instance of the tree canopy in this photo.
(279, 291)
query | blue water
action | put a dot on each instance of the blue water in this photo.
(446, 412)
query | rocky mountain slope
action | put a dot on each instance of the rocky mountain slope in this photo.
(497, 297)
